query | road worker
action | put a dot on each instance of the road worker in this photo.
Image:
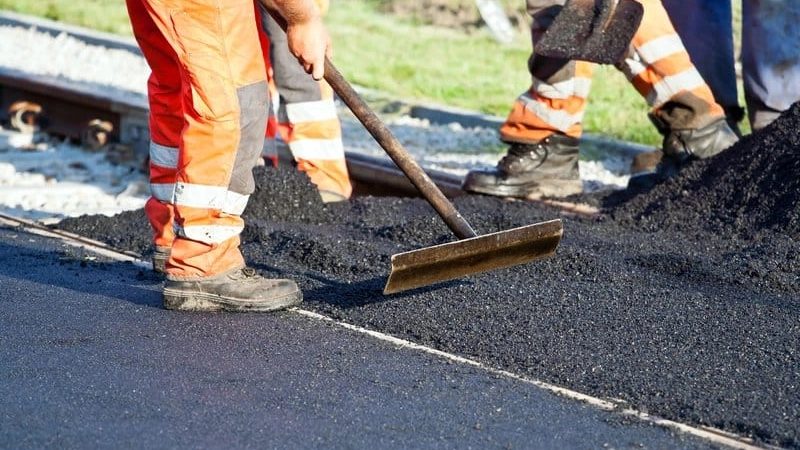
(306, 120)
(209, 102)
(544, 126)
(770, 60)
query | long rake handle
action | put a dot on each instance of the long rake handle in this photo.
(398, 153)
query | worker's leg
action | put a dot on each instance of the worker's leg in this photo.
(683, 106)
(556, 100)
(706, 30)
(269, 151)
(662, 72)
(770, 58)
(166, 124)
(543, 126)
(224, 107)
(307, 119)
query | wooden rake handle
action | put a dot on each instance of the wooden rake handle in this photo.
(398, 153)
(392, 146)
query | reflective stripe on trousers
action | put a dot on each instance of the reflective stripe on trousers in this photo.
(659, 67)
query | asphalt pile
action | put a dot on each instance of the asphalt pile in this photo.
(681, 301)
(747, 190)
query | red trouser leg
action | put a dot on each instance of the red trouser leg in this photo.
(556, 100)
(307, 117)
(166, 122)
(660, 69)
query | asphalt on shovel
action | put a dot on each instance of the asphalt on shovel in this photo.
(472, 253)
(598, 31)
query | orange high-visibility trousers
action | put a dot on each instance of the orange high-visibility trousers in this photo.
(660, 69)
(208, 109)
(305, 119)
(657, 66)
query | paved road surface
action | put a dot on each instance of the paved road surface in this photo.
(89, 359)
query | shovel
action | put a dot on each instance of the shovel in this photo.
(597, 31)
(472, 253)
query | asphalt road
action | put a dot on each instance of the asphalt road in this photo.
(89, 359)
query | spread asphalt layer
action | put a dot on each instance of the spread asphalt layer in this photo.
(89, 359)
(681, 302)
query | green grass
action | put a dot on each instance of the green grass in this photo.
(427, 63)
(469, 71)
(414, 62)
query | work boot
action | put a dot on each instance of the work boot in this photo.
(548, 168)
(240, 290)
(678, 149)
(160, 257)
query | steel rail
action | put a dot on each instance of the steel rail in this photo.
(72, 111)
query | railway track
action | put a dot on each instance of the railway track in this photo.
(35, 103)
(100, 123)
(98, 117)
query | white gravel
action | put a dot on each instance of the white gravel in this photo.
(45, 180)
(50, 180)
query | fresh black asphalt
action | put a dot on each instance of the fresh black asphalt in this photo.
(89, 359)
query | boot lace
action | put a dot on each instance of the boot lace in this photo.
(517, 155)
(243, 275)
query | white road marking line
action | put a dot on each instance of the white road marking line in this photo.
(711, 434)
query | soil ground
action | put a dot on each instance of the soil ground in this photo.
(462, 14)
(682, 301)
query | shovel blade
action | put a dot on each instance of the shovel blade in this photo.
(598, 31)
(469, 256)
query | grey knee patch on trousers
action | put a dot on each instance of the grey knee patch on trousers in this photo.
(254, 106)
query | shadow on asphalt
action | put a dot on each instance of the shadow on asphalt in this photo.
(78, 270)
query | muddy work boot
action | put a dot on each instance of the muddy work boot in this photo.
(548, 168)
(241, 290)
(678, 149)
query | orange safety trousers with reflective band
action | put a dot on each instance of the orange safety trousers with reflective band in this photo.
(208, 108)
(306, 118)
(657, 66)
